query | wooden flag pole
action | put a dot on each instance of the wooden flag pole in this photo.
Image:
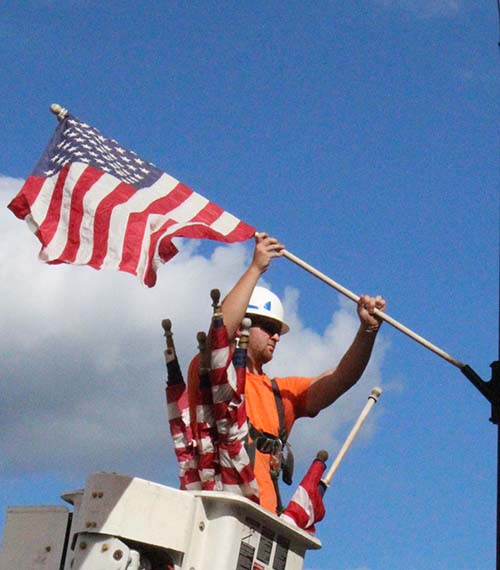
(384, 316)
(372, 398)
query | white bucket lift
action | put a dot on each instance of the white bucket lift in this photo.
(126, 523)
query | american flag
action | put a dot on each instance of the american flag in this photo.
(306, 506)
(92, 202)
(180, 425)
(215, 459)
(206, 431)
(228, 388)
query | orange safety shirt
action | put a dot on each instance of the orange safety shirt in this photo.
(262, 413)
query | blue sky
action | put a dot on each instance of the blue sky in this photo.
(364, 135)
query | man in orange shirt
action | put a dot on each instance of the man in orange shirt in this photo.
(277, 403)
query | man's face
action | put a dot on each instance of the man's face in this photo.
(264, 334)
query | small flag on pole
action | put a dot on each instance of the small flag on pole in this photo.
(92, 202)
(306, 505)
(206, 430)
(179, 418)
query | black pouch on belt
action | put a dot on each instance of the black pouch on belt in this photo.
(287, 462)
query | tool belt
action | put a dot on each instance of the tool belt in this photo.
(280, 451)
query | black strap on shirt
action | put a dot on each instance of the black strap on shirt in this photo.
(282, 434)
(287, 459)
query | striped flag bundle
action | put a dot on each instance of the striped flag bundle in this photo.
(227, 377)
(206, 431)
(306, 506)
(212, 456)
(179, 417)
(92, 202)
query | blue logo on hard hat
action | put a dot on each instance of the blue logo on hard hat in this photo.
(267, 306)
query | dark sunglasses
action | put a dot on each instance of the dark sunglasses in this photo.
(268, 327)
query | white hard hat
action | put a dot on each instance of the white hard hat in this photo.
(265, 303)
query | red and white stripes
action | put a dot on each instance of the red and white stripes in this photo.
(306, 505)
(228, 396)
(92, 202)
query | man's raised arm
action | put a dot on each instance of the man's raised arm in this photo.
(330, 385)
(235, 304)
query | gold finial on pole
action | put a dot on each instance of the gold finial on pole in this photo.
(168, 334)
(174, 374)
(246, 323)
(59, 112)
(322, 456)
(215, 295)
(204, 363)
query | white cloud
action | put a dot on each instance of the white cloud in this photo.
(82, 367)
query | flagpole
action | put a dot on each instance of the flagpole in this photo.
(384, 316)
(372, 399)
(490, 389)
